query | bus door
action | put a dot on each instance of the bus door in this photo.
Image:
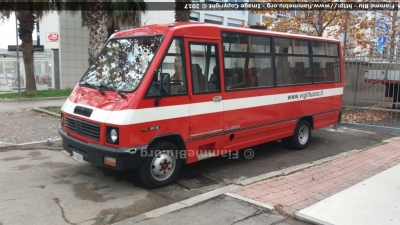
(206, 99)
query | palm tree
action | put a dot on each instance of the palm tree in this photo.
(182, 14)
(93, 13)
(28, 12)
(119, 14)
(96, 13)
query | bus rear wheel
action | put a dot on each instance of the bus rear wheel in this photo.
(301, 137)
(161, 166)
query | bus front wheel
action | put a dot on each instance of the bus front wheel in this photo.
(161, 165)
(301, 137)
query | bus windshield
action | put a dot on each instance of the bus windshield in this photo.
(122, 63)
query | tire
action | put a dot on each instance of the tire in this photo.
(161, 166)
(301, 136)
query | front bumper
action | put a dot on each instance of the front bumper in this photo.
(95, 153)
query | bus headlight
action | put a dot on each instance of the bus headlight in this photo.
(112, 135)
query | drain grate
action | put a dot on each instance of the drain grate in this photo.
(195, 181)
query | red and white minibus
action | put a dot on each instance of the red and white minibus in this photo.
(154, 92)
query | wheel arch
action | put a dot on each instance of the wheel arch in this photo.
(307, 118)
(174, 138)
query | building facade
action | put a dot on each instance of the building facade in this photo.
(60, 56)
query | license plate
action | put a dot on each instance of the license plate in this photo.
(78, 157)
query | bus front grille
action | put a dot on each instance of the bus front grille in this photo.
(90, 130)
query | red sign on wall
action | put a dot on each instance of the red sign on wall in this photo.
(53, 37)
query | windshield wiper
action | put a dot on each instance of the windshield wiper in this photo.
(99, 88)
(118, 92)
(113, 89)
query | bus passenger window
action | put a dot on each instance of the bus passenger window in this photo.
(326, 66)
(247, 61)
(284, 73)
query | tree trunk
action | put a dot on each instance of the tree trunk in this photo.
(182, 14)
(26, 25)
(97, 35)
(27, 54)
(320, 30)
(136, 22)
(95, 20)
(114, 25)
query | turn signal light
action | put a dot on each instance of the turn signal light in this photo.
(110, 161)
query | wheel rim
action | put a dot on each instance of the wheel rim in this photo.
(162, 165)
(303, 134)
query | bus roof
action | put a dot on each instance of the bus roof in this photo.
(204, 30)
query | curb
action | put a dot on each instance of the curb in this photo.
(178, 205)
(250, 201)
(57, 145)
(31, 99)
(305, 218)
(238, 184)
(47, 112)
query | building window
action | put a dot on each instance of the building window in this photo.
(234, 22)
(213, 21)
(280, 14)
(293, 13)
(194, 16)
(233, 25)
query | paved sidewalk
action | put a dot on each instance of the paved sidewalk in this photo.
(21, 127)
(373, 201)
(292, 193)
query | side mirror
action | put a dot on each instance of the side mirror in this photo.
(165, 84)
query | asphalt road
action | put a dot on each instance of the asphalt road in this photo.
(49, 187)
(205, 213)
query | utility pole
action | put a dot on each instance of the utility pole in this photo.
(18, 72)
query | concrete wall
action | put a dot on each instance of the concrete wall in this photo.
(74, 44)
(50, 24)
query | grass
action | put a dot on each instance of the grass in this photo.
(39, 94)
(53, 109)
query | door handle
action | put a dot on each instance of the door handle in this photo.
(217, 99)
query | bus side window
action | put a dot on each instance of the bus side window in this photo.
(172, 64)
(204, 68)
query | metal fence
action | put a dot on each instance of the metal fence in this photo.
(371, 93)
